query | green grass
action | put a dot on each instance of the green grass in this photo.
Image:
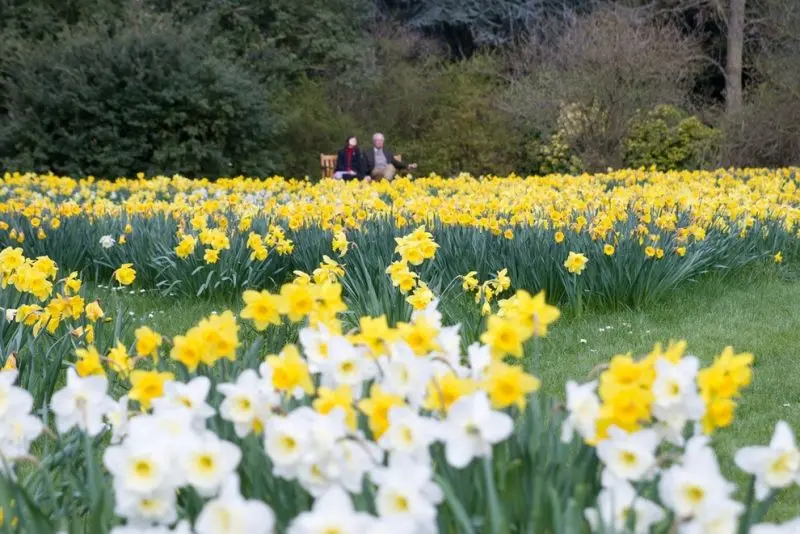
(755, 310)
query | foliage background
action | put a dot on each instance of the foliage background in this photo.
(109, 88)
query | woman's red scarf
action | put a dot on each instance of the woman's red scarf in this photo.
(349, 158)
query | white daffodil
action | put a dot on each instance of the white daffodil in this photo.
(675, 381)
(82, 402)
(449, 340)
(332, 512)
(722, 518)
(391, 525)
(325, 430)
(147, 508)
(405, 491)
(246, 402)
(17, 432)
(141, 468)
(480, 358)
(775, 466)
(230, 513)
(583, 407)
(319, 467)
(629, 456)
(171, 430)
(472, 428)
(409, 433)
(355, 456)
(696, 484)
(615, 503)
(12, 398)
(208, 462)
(107, 241)
(287, 440)
(677, 400)
(346, 365)
(316, 346)
(118, 417)
(190, 396)
(316, 475)
(405, 374)
(18, 428)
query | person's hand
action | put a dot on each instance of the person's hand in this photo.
(367, 179)
(412, 166)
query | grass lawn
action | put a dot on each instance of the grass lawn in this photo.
(757, 311)
(754, 311)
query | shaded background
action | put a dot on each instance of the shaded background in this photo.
(227, 87)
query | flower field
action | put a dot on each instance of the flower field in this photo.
(372, 371)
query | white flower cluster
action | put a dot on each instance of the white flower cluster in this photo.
(676, 402)
(691, 487)
(161, 452)
(107, 241)
(153, 455)
(18, 428)
(329, 459)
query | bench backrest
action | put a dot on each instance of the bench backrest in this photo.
(327, 163)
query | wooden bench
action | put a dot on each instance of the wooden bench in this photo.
(327, 163)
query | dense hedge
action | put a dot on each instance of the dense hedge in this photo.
(143, 100)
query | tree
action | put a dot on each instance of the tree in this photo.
(603, 70)
(468, 26)
(733, 67)
(281, 39)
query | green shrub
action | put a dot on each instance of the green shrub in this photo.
(310, 125)
(149, 99)
(670, 139)
(464, 131)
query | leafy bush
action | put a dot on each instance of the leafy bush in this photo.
(310, 125)
(555, 156)
(464, 131)
(146, 99)
(670, 139)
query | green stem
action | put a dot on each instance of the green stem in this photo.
(747, 517)
(498, 521)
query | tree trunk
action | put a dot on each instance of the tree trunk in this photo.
(733, 68)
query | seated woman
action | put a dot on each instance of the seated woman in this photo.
(349, 164)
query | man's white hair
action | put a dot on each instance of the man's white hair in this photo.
(377, 135)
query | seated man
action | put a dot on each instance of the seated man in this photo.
(379, 162)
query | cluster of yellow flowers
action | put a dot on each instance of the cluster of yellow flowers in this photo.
(413, 249)
(319, 299)
(720, 384)
(520, 318)
(637, 205)
(488, 289)
(215, 239)
(39, 278)
(214, 338)
(628, 391)
(27, 275)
